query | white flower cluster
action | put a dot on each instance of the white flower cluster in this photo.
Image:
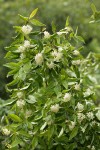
(55, 108)
(77, 87)
(90, 115)
(76, 52)
(23, 47)
(67, 97)
(57, 55)
(50, 65)
(80, 117)
(76, 62)
(88, 92)
(26, 29)
(72, 125)
(46, 34)
(5, 131)
(20, 94)
(39, 59)
(20, 103)
(80, 107)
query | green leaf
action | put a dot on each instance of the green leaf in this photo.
(43, 126)
(15, 118)
(37, 23)
(93, 8)
(24, 18)
(73, 133)
(14, 82)
(8, 102)
(34, 142)
(61, 133)
(15, 142)
(33, 13)
(53, 27)
(67, 22)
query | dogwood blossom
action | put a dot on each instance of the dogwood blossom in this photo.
(50, 65)
(76, 52)
(77, 87)
(55, 108)
(20, 103)
(80, 107)
(46, 34)
(5, 131)
(76, 62)
(39, 58)
(27, 44)
(90, 115)
(72, 125)
(67, 97)
(21, 49)
(26, 29)
(80, 117)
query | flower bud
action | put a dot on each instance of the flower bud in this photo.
(72, 125)
(76, 53)
(5, 131)
(80, 107)
(77, 87)
(27, 44)
(20, 103)
(46, 34)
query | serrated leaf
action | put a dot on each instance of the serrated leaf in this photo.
(73, 133)
(33, 13)
(15, 118)
(37, 23)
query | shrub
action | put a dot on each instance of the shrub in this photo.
(51, 104)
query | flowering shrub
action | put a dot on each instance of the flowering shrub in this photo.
(51, 105)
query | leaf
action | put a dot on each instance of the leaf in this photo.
(7, 102)
(53, 27)
(43, 126)
(22, 17)
(34, 142)
(15, 118)
(37, 23)
(67, 22)
(61, 133)
(73, 133)
(33, 13)
(93, 8)
(14, 82)
(16, 142)
(50, 132)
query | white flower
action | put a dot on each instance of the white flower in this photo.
(58, 57)
(28, 113)
(98, 114)
(39, 58)
(90, 115)
(46, 34)
(83, 129)
(87, 93)
(77, 87)
(51, 65)
(67, 97)
(21, 49)
(80, 107)
(80, 117)
(54, 53)
(76, 62)
(92, 148)
(26, 29)
(22, 56)
(20, 103)
(72, 125)
(27, 44)
(76, 52)
(60, 49)
(55, 108)
(5, 131)
(93, 123)
(20, 94)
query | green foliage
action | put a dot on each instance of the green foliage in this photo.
(51, 104)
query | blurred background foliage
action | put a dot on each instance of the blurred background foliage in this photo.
(57, 11)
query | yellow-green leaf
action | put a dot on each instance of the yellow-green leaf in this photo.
(33, 13)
